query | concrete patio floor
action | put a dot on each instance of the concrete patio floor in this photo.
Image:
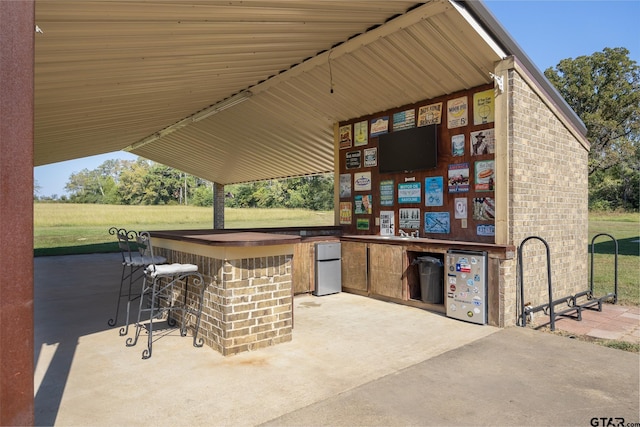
(352, 361)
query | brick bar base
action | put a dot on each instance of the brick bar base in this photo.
(247, 303)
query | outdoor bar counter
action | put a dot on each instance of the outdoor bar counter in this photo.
(251, 278)
(383, 267)
(248, 301)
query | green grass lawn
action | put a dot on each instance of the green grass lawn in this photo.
(625, 228)
(61, 229)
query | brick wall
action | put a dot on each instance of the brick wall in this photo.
(247, 303)
(548, 198)
(218, 206)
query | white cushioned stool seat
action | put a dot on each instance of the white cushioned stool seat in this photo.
(171, 269)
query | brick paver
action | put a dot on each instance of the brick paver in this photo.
(614, 322)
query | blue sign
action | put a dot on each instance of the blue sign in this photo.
(409, 192)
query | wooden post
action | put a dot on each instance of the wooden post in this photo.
(17, 30)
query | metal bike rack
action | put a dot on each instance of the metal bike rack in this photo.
(592, 301)
(549, 307)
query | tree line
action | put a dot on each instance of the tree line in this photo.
(603, 89)
(143, 182)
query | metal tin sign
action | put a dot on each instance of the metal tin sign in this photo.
(379, 126)
(437, 222)
(458, 178)
(409, 192)
(387, 192)
(353, 159)
(361, 130)
(486, 230)
(404, 119)
(362, 181)
(345, 185)
(370, 157)
(433, 191)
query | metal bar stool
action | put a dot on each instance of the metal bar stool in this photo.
(134, 261)
(161, 283)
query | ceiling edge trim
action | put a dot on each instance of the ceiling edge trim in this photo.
(479, 11)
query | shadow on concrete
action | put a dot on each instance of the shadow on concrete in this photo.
(353, 361)
(95, 248)
(66, 308)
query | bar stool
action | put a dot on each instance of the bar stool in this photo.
(134, 261)
(161, 282)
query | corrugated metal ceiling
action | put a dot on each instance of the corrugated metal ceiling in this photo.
(116, 74)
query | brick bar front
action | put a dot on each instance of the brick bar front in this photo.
(248, 300)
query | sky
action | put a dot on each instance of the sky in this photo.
(546, 30)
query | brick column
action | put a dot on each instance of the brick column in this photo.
(16, 212)
(218, 206)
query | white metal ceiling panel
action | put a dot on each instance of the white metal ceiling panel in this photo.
(110, 73)
(117, 74)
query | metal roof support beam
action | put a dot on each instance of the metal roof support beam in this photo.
(410, 18)
(200, 115)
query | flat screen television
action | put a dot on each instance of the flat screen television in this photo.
(408, 150)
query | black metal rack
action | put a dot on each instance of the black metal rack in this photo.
(574, 303)
(548, 308)
(591, 301)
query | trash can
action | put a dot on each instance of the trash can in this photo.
(431, 289)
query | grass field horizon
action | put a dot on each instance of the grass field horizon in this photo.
(63, 225)
(63, 228)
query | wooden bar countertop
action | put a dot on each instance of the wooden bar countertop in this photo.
(415, 243)
(227, 237)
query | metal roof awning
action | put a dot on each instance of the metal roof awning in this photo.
(243, 91)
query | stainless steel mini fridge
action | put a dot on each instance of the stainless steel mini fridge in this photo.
(466, 286)
(328, 269)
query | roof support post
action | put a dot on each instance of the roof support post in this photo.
(17, 30)
(502, 126)
(336, 173)
(218, 206)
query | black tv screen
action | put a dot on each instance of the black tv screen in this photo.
(408, 150)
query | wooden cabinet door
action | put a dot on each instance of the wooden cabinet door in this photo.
(354, 266)
(385, 270)
(303, 269)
